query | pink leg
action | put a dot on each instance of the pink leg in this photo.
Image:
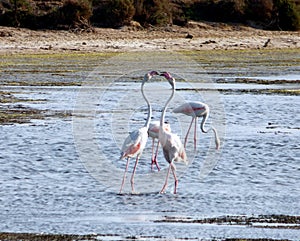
(155, 158)
(166, 182)
(195, 134)
(175, 178)
(186, 136)
(124, 177)
(152, 157)
(133, 172)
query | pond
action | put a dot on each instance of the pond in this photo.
(61, 173)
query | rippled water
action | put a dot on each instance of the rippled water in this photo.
(49, 184)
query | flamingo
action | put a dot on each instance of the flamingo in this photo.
(197, 109)
(153, 132)
(135, 142)
(172, 147)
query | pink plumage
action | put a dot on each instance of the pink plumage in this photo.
(197, 109)
(172, 147)
(153, 132)
(136, 141)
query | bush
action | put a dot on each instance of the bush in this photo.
(73, 11)
(285, 15)
(65, 14)
(259, 10)
(154, 12)
(219, 11)
(16, 13)
(24, 13)
(113, 13)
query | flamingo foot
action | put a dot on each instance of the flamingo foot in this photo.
(163, 190)
(135, 193)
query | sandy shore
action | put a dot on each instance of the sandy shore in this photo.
(196, 36)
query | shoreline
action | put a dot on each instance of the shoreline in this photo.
(286, 222)
(96, 237)
(196, 36)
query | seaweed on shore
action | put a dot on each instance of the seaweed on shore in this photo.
(277, 221)
(13, 112)
(74, 237)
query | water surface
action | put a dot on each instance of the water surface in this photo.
(46, 186)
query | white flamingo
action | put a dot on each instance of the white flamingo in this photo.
(135, 142)
(153, 132)
(197, 109)
(172, 147)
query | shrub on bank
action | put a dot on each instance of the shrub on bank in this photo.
(286, 15)
(113, 13)
(267, 14)
(153, 12)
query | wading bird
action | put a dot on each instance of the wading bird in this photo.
(135, 143)
(172, 147)
(197, 109)
(153, 132)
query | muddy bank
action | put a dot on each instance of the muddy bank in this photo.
(72, 237)
(261, 221)
(196, 36)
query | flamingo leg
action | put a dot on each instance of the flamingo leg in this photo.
(152, 157)
(217, 140)
(124, 177)
(155, 158)
(133, 172)
(195, 134)
(166, 182)
(187, 133)
(175, 178)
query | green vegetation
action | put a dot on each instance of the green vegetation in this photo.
(83, 14)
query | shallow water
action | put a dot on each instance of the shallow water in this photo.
(62, 175)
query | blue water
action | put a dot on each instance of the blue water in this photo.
(48, 185)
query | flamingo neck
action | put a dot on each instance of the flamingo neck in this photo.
(203, 122)
(162, 118)
(149, 107)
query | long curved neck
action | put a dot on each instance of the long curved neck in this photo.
(217, 140)
(162, 118)
(203, 122)
(149, 107)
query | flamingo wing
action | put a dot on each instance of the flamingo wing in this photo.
(195, 108)
(173, 148)
(180, 155)
(153, 129)
(134, 143)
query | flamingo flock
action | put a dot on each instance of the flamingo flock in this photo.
(173, 149)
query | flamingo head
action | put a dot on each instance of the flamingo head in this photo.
(169, 77)
(153, 72)
(150, 74)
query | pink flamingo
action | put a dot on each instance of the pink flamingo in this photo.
(197, 109)
(172, 147)
(153, 132)
(135, 143)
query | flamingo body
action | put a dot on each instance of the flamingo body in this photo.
(135, 142)
(153, 133)
(172, 147)
(197, 109)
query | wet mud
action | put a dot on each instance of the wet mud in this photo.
(261, 221)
